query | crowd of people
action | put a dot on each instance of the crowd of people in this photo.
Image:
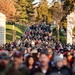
(37, 53)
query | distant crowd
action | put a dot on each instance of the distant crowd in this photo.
(37, 53)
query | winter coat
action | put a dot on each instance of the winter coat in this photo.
(73, 68)
(68, 69)
(23, 70)
(38, 71)
(10, 70)
(61, 71)
(13, 71)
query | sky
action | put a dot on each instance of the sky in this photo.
(39, 0)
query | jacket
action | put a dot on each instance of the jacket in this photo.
(10, 70)
(38, 71)
(23, 70)
(61, 71)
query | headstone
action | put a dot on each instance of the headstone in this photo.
(70, 26)
(2, 28)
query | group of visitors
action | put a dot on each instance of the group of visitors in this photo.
(37, 53)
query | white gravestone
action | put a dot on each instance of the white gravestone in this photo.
(2, 28)
(70, 26)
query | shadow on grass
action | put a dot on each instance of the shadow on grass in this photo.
(19, 31)
(21, 27)
(9, 37)
(11, 32)
(62, 37)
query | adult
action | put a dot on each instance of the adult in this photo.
(44, 68)
(17, 59)
(73, 66)
(6, 66)
(65, 64)
(59, 68)
(30, 63)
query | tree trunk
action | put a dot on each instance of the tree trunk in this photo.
(58, 33)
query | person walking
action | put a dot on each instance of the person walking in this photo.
(6, 66)
(44, 68)
(17, 59)
(30, 63)
(59, 68)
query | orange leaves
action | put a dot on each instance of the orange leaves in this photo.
(7, 7)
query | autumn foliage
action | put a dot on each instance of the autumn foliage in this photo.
(7, 7)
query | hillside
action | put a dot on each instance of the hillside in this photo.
(20, 29)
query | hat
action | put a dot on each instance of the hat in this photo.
(26, 55)
(17, 54)
(46, 53)
(4, 54)
(34, 51)
(14, 49)
(58, 58)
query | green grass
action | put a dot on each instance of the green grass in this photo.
(62, 37)
(74, 30)
(20, 29)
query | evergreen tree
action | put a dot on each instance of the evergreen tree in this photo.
(43, 11)
(24, 11)
(30, 10)
(21, 14)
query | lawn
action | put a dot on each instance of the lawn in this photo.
(74, 30)
(20, 29)
(62, 37)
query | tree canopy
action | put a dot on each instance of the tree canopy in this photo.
(43, 11)
(7, 7)
(24, 11)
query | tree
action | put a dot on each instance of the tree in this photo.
(43, 11)
(68, 6)
(21, 14)
(24, 11)
(57, 14)
(7, 7)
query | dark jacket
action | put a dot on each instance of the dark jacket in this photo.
(13, 71)
(69, 70)
(61, 71)
(10, 70)
(23, 70)
(38, 71)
